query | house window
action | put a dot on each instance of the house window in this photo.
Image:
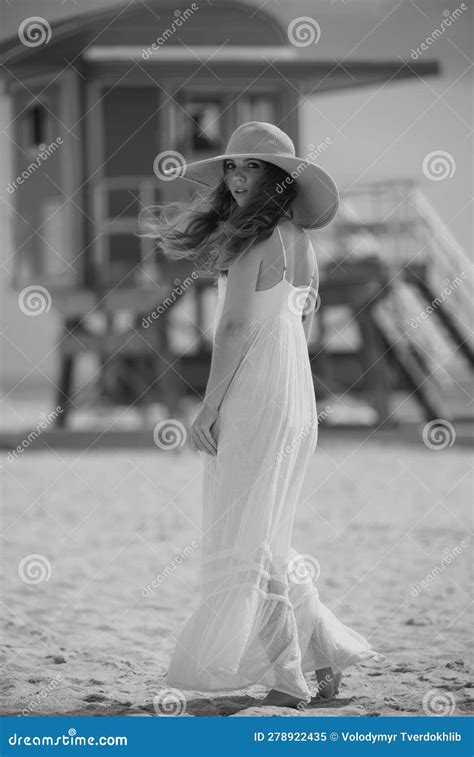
(36, 124)
(197, 126)
(203, 126)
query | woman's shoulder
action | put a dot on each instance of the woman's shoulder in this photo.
(292, 234)
(290, 227)
(288, 223)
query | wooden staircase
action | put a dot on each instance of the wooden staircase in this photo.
(422, 315)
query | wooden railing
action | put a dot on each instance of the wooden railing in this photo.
(396, 219)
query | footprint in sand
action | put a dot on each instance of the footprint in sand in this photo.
(95, 698)
(58, 659)
(417, 622)
(402, 668)
(103, 698)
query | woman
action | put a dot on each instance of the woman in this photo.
(260, 620)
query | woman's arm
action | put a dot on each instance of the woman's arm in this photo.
(232, 329)
(308, 324)
(312, 301)
(226, 355)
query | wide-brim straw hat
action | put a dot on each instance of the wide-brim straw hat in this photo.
(317, 198)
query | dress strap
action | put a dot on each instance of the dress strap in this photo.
(314, 271)
(283, 247)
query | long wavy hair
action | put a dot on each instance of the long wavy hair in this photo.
(212, 230)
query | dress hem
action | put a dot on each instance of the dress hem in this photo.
(306, 670)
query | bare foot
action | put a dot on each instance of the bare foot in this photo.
(328, 683)
(277, 698)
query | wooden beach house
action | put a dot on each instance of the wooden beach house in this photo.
(95, 98)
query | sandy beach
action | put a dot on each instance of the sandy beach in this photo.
(85, 534)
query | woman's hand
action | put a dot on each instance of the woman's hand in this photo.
(201, 437)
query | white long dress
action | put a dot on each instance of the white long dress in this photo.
(260, 619)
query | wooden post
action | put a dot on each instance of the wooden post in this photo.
(374, 366)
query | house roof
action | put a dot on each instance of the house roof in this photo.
(118, 32)
(140, 24)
